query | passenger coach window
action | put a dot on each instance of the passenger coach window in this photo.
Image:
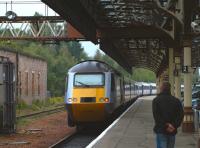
(89, 80)
(118, 87)
(112, 83)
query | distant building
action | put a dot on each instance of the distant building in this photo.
(31, 81)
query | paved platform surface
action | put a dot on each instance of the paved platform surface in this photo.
(134, 130)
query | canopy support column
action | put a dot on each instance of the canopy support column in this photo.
(188, 121)
(171, 69)
(177, 77)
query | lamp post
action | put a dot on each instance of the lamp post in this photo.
(11, 15)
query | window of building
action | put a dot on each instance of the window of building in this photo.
(39, 84)
(26, 83)
(33, 83)
(20, 83)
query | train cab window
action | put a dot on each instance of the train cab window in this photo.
(89, 80)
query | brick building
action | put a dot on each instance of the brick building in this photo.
(32, 75)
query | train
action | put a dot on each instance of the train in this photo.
(94, 90)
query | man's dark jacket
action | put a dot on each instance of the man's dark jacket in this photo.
(166, 109)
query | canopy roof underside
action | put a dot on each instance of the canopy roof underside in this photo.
(136, 33)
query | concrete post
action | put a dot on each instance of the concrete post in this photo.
(166, 75)
(177, 77)
(161, 79)
(158, 85)
(171, 69)
(188, 121)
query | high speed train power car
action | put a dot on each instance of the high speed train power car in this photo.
(94, 91)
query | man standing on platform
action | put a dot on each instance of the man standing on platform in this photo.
(168, 115)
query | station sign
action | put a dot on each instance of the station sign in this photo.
(185, 69)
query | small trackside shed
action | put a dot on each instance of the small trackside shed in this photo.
(30, 75)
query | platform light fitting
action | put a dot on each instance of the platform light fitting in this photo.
(196, 40)
(195, 25)
(11, 15)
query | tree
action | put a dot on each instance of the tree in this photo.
(98, 55)
(58, 58)
(141, 74)
(76, 50)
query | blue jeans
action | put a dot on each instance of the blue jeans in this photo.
(165, 141)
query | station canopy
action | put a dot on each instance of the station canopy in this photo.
(136, 33)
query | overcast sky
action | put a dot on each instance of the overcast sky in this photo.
(29, 7)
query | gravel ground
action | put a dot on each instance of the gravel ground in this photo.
(39, 133)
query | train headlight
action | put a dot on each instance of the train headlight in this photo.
(69, 99)
(101, 100)
(106, 99)
(74, 99)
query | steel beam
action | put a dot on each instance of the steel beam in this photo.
(137, 31)
(112, 51)
(38, 19)
(75, 13)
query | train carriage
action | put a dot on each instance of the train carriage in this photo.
(94, 91)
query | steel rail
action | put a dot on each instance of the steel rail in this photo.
(83, 133)
(63, 140)
(58, 109)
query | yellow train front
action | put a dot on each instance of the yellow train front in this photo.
(94, 91)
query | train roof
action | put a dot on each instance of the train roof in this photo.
(91, 66)
(145, 84)
(152, 84)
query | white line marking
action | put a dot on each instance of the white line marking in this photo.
(108, 128)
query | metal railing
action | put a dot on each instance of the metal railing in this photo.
(196, 120)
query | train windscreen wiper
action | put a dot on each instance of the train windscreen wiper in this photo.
(83, 84)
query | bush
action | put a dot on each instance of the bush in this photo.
(35, 107)
(22, 105)
(38, 103)
(56, 100)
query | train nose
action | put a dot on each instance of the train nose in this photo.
(89, 112)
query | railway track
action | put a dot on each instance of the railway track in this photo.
(87, 134)
(79, 139)
(62, 141)
(51, 111)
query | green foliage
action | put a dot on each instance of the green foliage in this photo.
(34, 107)
(21, 104)
(139, 74)
(76, 50)
(56, 100)
(98, 55)
(59, 58)
(22, 122)
(38, 105)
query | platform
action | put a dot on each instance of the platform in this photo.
(134, 129)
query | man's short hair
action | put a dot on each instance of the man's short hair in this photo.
(165, 87)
